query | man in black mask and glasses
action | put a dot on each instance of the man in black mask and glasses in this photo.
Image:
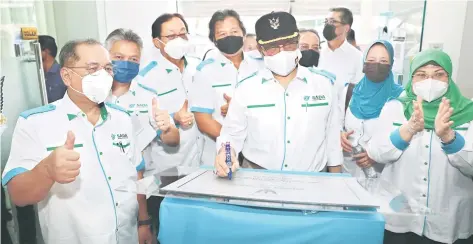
(340, 57)
(217, 76)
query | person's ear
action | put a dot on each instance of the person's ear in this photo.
(157, 43)
(66, 76)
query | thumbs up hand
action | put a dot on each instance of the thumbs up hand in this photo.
(224, 108)
(63, 163)
(161, 117)
(183, 117)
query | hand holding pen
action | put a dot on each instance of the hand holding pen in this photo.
(226, 163)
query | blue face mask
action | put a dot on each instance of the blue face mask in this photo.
(125, 71)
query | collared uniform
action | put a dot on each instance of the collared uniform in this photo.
(138, 103)
(345, 62)
(430, 174)
(172, 88)
(88, 210)
(278, 129)
(363, 132)
(215, 77)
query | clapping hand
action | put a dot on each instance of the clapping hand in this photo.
(443, 124)
(416, 122)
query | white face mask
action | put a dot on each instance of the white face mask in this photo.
(254, 54)
(284, 62)
(430, 89)
(96, 87)
(177, 48)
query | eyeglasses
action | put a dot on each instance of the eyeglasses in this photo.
(333, 21)
(174, 36)
(93, 68)
(440, 75)
(304, 47)
(274, 49)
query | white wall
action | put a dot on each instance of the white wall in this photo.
(451, 23)
(444, 23)
(465, 64)
(75, 20)
(137, 15)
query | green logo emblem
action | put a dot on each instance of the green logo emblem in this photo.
(113, 136)
(306, 98)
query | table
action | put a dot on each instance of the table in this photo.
(190, 221)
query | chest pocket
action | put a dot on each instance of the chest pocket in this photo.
(314, 107)
(223, 88)
(263, 120)
(121, 144)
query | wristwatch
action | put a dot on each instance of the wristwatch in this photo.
(144, 222)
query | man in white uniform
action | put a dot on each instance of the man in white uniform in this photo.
(137, 99)
(283, 116)
(216, 77)
(169, 72)
(339, 56)
(149, 121)
(70, 156)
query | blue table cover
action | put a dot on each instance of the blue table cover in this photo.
(197, 222)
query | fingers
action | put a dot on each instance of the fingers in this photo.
(349, 133)
(419, 104)
(346, 145)
(227, 98)
(185, 106)
(69, 144)
(220, 165)
(155, 106)
(360, 155)
(71, 155)
(446, 115)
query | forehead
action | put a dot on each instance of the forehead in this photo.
(92, 54)
(308, 37)
(125, 47)
(334, 15)
(173, 25)
(228, 22)
(378, 50)
(429, 67)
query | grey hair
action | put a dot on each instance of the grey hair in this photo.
(68, 51)
(123, 35)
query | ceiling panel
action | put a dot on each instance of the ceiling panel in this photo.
(205, 8)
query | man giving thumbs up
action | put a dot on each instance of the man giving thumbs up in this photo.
(69, 157)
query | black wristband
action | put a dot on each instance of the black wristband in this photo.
(144, 222)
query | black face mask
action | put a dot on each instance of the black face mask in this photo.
(376, 72)
(230, 44)
(309, 58)
(329, 32)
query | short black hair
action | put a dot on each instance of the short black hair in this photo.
(351, 35)
(347, 15)
(48, 42)
(156, 28)
(68, 53)
(310, 30)
(221, 15)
